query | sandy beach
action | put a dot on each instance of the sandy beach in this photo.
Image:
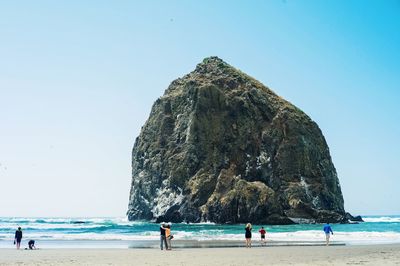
(291, 255)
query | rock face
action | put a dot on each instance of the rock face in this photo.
(220, 146)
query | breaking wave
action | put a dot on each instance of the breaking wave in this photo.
(384, 229)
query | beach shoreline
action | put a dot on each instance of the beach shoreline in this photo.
(270, 255)
(155, 244)
(182, 243)
(96, 232)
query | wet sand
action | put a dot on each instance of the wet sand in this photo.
(270, 255)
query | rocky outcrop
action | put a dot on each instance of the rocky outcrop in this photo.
(220, 146)
(352, 219)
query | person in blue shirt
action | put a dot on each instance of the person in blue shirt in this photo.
(328, 231)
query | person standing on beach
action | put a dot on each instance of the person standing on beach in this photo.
(262, 232)
(328, 231)
(18, 237)
(248, 235)
(163, 240)
(168, 236)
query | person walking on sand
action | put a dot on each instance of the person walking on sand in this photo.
(328, 231)
(163, 239)
(168, 236)
(248, 235)
(262, 233)
(18, 237)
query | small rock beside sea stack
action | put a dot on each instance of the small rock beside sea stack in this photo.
(220, 146)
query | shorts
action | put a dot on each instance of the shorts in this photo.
(262, 236)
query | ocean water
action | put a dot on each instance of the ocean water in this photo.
(118, 232)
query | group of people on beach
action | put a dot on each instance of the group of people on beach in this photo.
(327, 230)
(18, 239)
(166, 236)
(247, 235)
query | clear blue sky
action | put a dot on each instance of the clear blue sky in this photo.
(78, 79)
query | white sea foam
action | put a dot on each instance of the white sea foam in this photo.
(84, 236)
(315, 236)
(299, 236)
(202, 223)
(347, 237)
(383, 219)
(119, 228)
(52, 226)
(65, 223)
(98, 220)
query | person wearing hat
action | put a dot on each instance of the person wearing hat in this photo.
(163, 239)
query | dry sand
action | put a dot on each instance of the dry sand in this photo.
(294, 255)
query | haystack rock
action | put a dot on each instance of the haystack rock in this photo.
(220, 146)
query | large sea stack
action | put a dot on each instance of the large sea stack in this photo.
(220, 146)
